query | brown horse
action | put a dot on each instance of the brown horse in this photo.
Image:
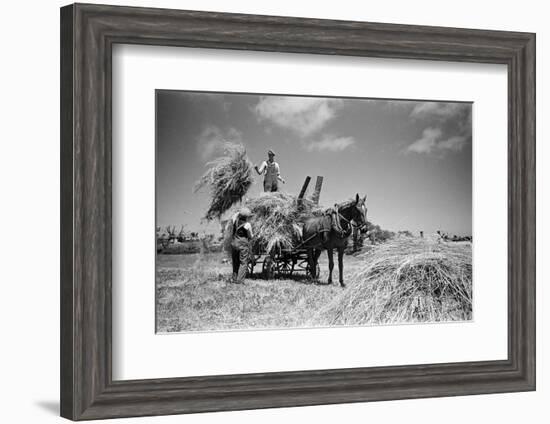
(331, 231)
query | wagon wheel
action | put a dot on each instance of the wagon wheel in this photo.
(267, 268)
(317, 269)
(285, 268)
(251, 264)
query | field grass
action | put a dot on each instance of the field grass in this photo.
(191, 246)
(194, 292)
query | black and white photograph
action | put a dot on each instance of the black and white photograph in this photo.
(275, 212)
(283, 211)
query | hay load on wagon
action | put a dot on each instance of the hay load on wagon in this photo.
(277, 220)
(406, 280)
(277, 245)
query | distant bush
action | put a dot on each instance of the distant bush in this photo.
(192, 246)
(378, 235)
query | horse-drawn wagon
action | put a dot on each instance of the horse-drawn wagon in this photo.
(329, 231)
(281, 263)
(280, 243)
(285, 261)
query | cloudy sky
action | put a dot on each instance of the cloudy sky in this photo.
(412, 159)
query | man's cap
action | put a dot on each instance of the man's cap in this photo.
(271, 152)
(245, 212)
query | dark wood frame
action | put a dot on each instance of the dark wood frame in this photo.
(88, 33)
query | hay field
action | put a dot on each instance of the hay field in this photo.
(404, 280)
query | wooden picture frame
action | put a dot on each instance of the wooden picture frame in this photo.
(88, 33)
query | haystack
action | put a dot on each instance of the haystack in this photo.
(406, 280)
(228, 178)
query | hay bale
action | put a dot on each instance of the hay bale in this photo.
(228, 178)
(406, 280)
(277, 220)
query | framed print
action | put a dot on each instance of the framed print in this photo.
(264, 212)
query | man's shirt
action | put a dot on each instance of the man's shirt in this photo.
(246, 225)
(270, 169)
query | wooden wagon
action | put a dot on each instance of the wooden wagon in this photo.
(283, 263)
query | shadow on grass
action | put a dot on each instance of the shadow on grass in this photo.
(301, 278)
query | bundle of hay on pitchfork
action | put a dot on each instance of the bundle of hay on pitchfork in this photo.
(228, 178)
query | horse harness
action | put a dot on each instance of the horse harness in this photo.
(342, 230)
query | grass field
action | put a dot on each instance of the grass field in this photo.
(194, 292)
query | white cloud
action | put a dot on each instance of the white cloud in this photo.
(450, 127)
(211, 139)
(432, 141)
(455, 143)
(330, 143)
(441, 110)
(303, 115)
(427, 142)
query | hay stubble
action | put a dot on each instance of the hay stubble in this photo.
(406, 280)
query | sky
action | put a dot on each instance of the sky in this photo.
(412, 159)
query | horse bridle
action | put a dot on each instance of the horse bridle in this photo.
(351, 222)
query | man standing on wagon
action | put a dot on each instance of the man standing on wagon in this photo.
(270, 169)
